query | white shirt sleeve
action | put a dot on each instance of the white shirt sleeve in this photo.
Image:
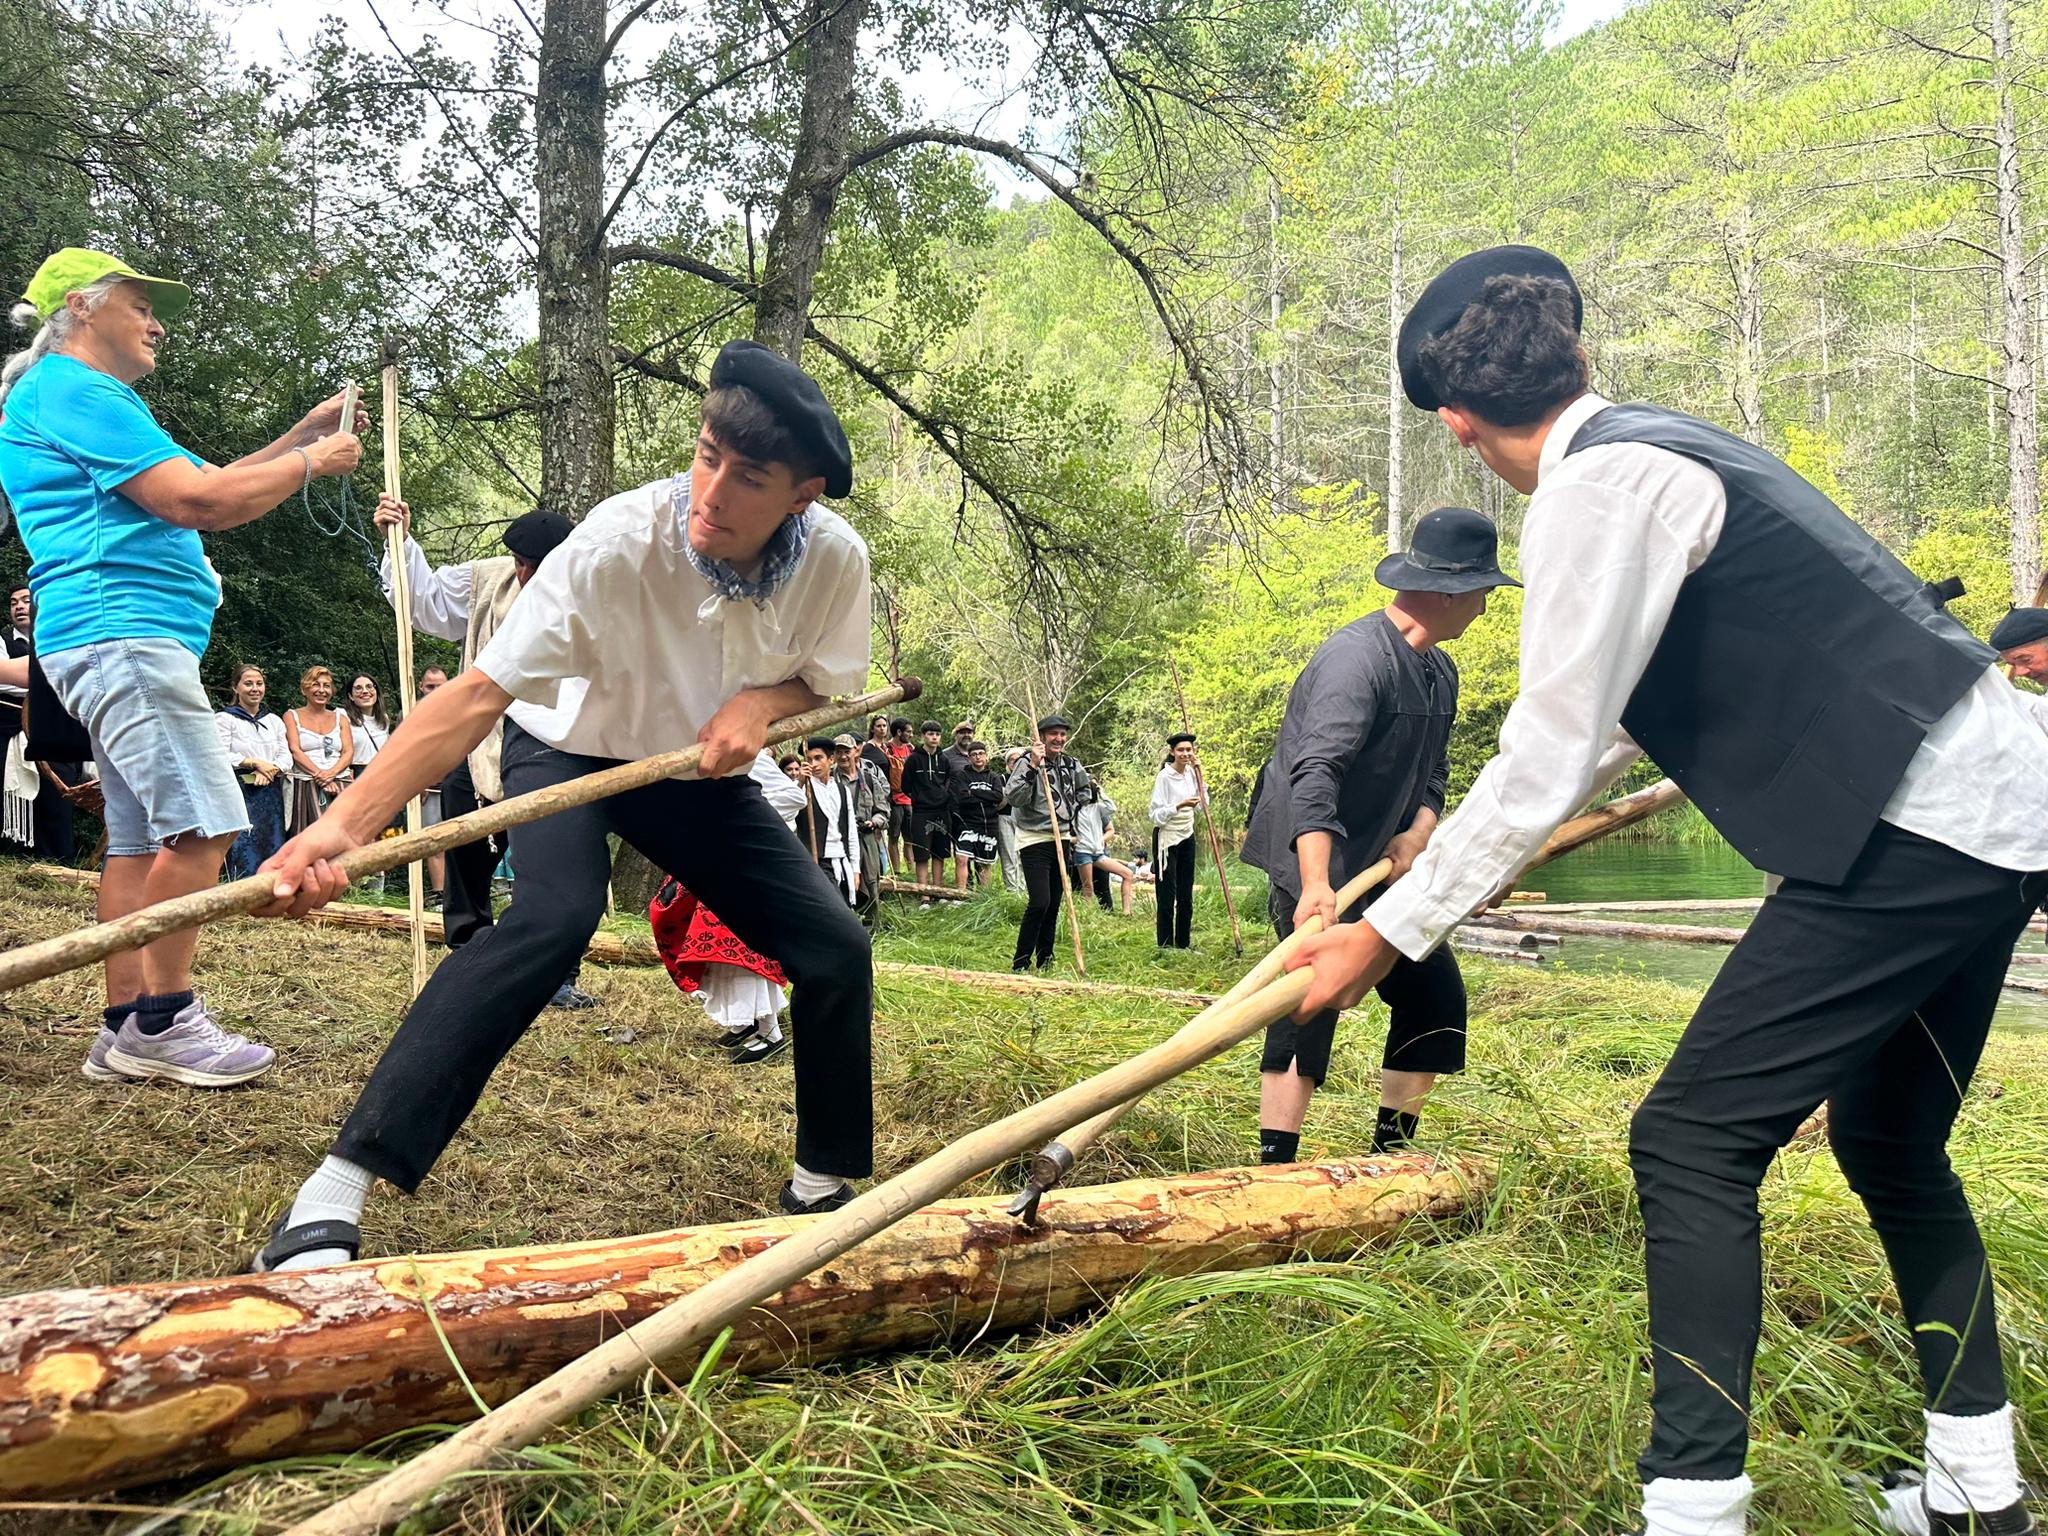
(838, 662)
(1162, 797)
(440, 599)
(546, 637)
(784, 795)
(1606, 545)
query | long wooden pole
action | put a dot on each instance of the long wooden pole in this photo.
(401, 603)
(627, 1356)
(1059, 849)
(1058, 1156)
(1187, 724)
(52, 957)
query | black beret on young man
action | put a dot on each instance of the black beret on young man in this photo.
(1444, 302)
(797, 402)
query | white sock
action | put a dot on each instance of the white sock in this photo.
(769, 1029)
(1676, 1506)
(1902, 1511)
(336, 1192)
(808, 1186)
(1970, 1463)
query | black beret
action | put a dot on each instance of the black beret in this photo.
(1181, 736)
(1055, 723)
(535, 535)
(2023, 626)
(1452, 291)
(796, 401)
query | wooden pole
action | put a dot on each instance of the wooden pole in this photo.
(124, 1385)
(1059, 849)
(1054, 1160)
(401, 603)
(1215, 842)
(67, 952)
(626, 1356)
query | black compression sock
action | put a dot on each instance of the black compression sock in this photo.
(1278, 1146)
(1395, 1130)
(154, 1012)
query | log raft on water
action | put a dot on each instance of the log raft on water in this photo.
(115, 1386)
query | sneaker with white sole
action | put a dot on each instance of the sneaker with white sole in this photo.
(96, 1065)
(194, 1050)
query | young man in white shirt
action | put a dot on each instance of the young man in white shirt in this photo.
(1175, 798)
(1691, 598)
(701, 608)
(827, 821)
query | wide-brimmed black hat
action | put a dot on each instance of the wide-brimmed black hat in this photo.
(1452, 549)
(1454, 290)
(2022, 626)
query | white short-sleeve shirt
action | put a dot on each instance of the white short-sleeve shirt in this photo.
(617, 648)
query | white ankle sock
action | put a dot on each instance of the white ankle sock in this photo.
(1676, 1506)
(769, 1029)
(1902, 1511)
(806, 1185)
(336, 1192)
(1971, 1463)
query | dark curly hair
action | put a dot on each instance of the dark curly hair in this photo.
(1513, 356)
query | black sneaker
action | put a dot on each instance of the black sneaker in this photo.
(2013, 1520)
(758, 1049)
(569, 995)
(791, 1206)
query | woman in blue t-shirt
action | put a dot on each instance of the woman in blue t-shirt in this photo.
(111, 510)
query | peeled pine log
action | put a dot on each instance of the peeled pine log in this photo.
(892, 887)
(110, 1387)
(1598, 928)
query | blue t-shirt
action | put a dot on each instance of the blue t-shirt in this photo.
(101, 568)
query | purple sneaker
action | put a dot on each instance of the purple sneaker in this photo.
(97, 1066)
(194, 1050)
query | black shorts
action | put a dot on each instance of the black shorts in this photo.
(928, 834)
(1425, 1031)
(978, 846)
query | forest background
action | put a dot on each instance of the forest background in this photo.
(1119, 383)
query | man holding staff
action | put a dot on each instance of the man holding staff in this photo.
(1690, 597)
(702, 608)
(1047, 763)
(111, 510)
(1176, 796)
(1358, 774)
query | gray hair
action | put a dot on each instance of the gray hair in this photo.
(53, 332)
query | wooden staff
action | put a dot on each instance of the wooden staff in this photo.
(627, 1356)
(1215, 843)
(1058, 1156)
(1059, 849)
(401, 603)
(52, 957)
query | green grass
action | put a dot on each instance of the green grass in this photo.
(1490, 1383)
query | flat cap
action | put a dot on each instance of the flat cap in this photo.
(1055, 723)
(796, 401)
(2023, 626)
(534, 535)
(1452, 291)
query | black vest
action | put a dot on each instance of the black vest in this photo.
(1802, 665)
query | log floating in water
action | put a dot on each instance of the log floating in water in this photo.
(115, 1386)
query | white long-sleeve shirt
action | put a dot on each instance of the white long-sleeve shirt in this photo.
(784, 795)
(1609, 537)
(1176, 822)
(440, 599)
(262, 742)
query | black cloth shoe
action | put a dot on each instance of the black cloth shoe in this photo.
(1908, 1484)
(757, 1050)
(729, 1039)
(791, 1206)
(569, 995)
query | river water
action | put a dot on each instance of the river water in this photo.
(1629, 871)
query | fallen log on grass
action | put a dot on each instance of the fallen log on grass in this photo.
(1601, 928)
(110, 1387)
(892, 887)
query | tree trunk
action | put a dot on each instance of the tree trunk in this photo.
(1397, 398)
(1275, 307)
(574, 277)
(2022, 424)
(1749, 364)
(111, 1387)
(796, 241)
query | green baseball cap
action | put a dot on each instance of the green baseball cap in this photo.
(74, 267)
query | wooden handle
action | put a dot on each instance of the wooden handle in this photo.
(67, 952)
(401, 603)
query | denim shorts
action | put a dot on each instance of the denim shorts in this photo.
(163, 767)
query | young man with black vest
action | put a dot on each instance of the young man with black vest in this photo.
(1692, 599)
(700, 608)
(1358, 773)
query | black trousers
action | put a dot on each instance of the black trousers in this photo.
(1876, 996)
(466, 889)
(1041, 924)
(1176, 894)
(717, 836)
(56, 841)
